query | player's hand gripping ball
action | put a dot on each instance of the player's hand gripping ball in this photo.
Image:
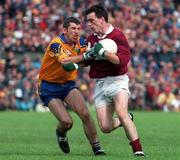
(105, 45)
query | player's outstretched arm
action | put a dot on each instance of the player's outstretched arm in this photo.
(88, 55)
(73, 59)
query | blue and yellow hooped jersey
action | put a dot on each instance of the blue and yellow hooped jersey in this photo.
(51, 69)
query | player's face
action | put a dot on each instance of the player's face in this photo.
(94, 23)
(73, 32)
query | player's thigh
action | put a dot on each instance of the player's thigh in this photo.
(56, 106)
(121, 102)
(105, 115)
(76, 101)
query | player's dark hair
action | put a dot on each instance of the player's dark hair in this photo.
(69, 20)
(99, 11)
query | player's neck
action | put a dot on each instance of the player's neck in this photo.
(105, 28)
(71, 43)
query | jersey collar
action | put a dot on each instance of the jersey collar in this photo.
(110, 29)
(62, 37)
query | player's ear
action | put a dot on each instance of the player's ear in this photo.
(102, 19)
(65, 30)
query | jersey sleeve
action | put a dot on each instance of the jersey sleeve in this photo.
(56, 50)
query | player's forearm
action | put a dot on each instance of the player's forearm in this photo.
(111, 57)
(73, 59)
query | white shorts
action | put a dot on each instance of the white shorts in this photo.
(107, 88)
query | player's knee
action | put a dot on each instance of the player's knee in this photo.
(85, 116)
(105, 128)
(67, 124)
(124, 119)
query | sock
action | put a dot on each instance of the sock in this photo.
(136, 145)
(60, 133)
(96, 146)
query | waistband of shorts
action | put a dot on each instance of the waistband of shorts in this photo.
(110, 77)
(56, 82)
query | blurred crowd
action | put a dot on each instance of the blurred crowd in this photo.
(151, 26)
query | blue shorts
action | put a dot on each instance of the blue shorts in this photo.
(50, 90)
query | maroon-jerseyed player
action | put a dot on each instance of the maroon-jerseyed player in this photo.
(109, 71)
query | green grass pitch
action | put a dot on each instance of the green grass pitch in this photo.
(31, 136)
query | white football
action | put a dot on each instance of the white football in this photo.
(109, 45)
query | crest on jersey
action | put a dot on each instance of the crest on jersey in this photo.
(55, 49)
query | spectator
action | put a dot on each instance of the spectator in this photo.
(164, 100)
(175, 104)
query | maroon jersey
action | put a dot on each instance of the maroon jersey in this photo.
(104, 68)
